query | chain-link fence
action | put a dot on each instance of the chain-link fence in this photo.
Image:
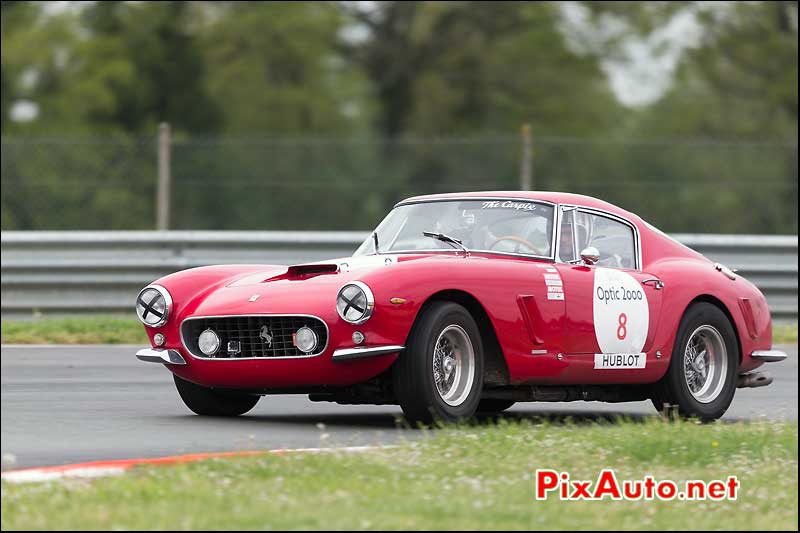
(335, 183)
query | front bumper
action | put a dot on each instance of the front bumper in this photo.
(173, 357)
(768, 356)
(334, 368)
(347, 354)
(150, 355)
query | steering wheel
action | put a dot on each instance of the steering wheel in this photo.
(518, 240)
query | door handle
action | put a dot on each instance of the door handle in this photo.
(655, 282)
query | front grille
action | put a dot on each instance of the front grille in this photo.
(247, 330)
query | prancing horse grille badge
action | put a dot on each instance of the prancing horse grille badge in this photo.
(265, 335)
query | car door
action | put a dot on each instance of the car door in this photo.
(612, 307)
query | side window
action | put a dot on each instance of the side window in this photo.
(566, 245)
(614, 240)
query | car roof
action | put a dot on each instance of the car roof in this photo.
(546, 196)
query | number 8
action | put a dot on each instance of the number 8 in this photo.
(622, 330)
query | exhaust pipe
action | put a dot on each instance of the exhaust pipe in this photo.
(752, 380)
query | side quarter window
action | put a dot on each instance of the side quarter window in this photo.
(567, 250)
(615, 240)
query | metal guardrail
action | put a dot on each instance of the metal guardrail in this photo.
(101, 271)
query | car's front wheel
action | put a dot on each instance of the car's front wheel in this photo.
(210, 402)
(439, 377)
(701, 379)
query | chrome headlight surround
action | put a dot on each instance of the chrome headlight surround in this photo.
(305, 330)
(150, 297)
(355, 303)
(215, 342)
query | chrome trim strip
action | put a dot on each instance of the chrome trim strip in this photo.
(769, 356)
(347, 354)
(283, 358)
(727, 272)
(149, 355)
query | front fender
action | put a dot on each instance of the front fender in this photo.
(189, 288)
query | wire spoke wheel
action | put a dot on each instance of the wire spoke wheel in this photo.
(705, 363)
(453, 365)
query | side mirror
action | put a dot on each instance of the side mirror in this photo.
(590, 255)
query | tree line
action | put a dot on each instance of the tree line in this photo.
(394, 72)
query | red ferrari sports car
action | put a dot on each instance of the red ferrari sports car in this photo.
(465, 303)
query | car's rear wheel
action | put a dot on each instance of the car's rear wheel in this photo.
(701, 379)
(210, 402)
(439, 377)
(493, 406)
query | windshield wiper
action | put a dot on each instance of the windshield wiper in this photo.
(448, 239)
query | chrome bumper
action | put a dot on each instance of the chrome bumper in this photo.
(149, 355)
(348, 354)
(768, 356)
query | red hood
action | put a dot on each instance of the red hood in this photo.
(311, 288)
(342, 269)
(308, 288)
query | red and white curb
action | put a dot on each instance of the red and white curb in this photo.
(117, 467)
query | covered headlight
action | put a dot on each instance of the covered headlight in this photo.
(306, 340)
(208, 342)
(153, 305)
(355, 303)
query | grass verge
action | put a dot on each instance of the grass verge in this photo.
(121, 330)
(477, 477)
(784, 333)
(78, 330)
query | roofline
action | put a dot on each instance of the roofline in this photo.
(550, 197)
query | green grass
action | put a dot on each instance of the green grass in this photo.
(784, 333)
(77, 330)
(121, 330)
(477, 477)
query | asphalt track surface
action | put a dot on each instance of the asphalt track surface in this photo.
(67, 404)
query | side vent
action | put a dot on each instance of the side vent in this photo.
(531, 316)
(749, 318)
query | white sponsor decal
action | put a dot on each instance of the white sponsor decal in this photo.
(621, 312)
(613, 361)
(508, 204)
(555, 293)
(554, 284)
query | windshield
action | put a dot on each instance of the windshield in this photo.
(508, 226)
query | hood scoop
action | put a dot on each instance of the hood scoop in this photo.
(306, 271)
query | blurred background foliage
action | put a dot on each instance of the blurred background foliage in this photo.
(321, 115)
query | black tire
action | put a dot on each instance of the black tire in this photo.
(209, 402)
(414, 383)
(673, 393)
(493, 406)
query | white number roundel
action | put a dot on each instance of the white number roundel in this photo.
(621, 313)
